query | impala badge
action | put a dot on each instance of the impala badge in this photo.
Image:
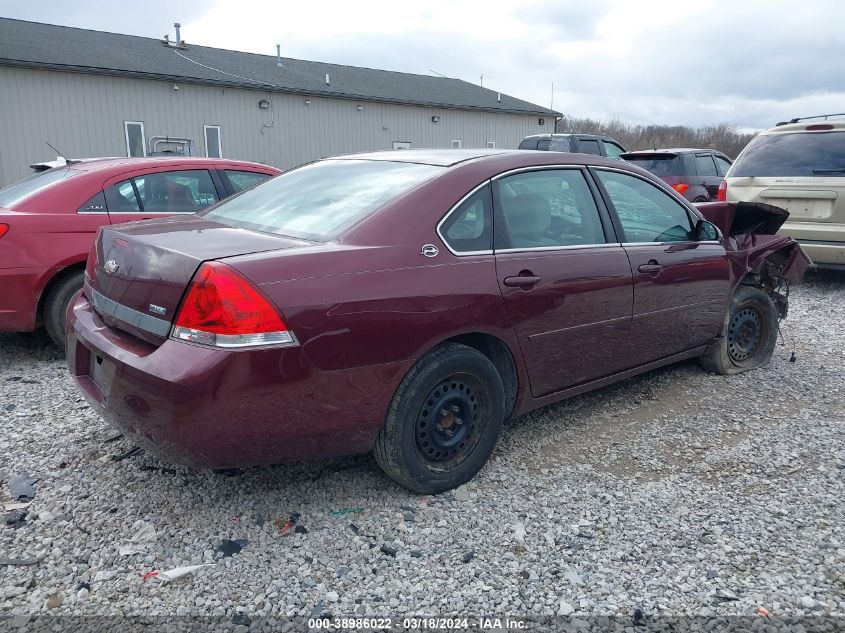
(157, 309)
(429, 250)
(111, 267)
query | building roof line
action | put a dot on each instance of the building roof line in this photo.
(46, 46)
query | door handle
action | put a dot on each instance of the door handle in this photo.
(651, 268)
(521, 281)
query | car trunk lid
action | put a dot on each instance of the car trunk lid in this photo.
(143, 268)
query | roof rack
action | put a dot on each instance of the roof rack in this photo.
(807, 118)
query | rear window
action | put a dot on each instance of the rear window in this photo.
(318, 201)
(659, 165)
(27, 187)
(810, 154)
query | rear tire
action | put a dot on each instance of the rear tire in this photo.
(443, 422)
(748, 335)
(56, 304)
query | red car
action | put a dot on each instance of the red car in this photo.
(49, 220)
(408, 302)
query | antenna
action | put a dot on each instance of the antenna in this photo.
(482, 81)
(437, 73)
(59, 154)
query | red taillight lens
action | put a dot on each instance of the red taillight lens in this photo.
(4, 228)
(723, 191)
(680, 187)
(223, 309)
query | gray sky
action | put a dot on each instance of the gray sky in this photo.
(747, 62)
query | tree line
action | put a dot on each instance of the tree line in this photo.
(723, 137)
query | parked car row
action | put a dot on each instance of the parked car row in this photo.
(48, 222)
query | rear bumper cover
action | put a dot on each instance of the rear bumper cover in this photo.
(211, 408)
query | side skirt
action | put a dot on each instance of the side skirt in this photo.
(535, 403)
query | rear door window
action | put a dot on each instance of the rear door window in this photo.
(705, 166)
(241, 180)
(793, 154)
(121, 198)
(548, 208)
(722, 165)
(647, 214)
(612, 149)
(529, 143)
(186, 191)
(559, 145)
(589, 146)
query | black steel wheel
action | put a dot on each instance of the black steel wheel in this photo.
(444, 420)
(451, 421)
(748, 336)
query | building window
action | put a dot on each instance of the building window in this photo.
(401, 144)
(456, 144)
(491, 144)
(213, 146)
(135, 141)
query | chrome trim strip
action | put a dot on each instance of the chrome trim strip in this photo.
(570, 247)
(536, 168)
(148, 323)
(713, 242)
(155, 212)
(450, 212)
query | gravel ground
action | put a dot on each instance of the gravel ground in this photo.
(677, 492)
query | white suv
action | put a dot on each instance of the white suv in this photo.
(798, 166)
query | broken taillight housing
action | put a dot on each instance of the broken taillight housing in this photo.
(222, 309)
(4, 228)
(723, 191)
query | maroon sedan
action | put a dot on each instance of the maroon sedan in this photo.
(408, 302)
(48, 222)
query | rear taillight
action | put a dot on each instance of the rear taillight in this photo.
(680, 187)
(4, 228)
(723, 191)
(91, 266)
(222, 309)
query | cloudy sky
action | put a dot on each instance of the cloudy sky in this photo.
(746, 62)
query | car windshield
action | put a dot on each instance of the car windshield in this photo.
(800, 154)
(318, 201)
(657, 164)
(27, 187)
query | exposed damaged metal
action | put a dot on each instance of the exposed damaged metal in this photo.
(761, 258)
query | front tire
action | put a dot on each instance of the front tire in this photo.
(56, 304)
(748, 336)
(443, 422)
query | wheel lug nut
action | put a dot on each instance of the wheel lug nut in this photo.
(456, 408)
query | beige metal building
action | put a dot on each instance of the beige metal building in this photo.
(91, 93)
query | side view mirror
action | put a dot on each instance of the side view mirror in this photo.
(706, 231)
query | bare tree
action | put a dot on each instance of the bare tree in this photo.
(723, 137)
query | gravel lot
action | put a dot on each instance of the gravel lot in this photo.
(677, 492)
